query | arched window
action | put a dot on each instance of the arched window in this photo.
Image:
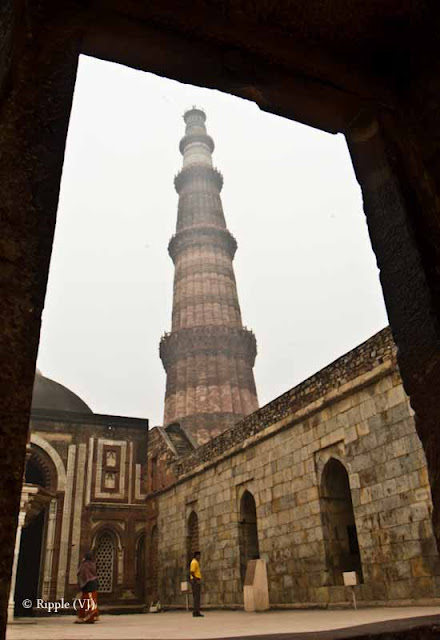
(339, 526)
(248, 533)
(192, 536)
(105, 561)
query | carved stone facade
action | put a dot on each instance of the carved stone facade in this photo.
(209, 355)
(327, 478)
(91, 469)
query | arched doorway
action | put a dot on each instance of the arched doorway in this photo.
(105, 554)
(30, 559)
(140, 567)
(339, 526)
(192, 537)
(248, 532)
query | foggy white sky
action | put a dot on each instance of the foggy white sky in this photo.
(306, 274)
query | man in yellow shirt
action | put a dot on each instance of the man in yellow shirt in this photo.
(196, 578)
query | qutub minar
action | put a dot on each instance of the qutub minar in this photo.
(209, 355)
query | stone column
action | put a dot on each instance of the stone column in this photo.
(11, 602)
(41, 42)
(397, 193)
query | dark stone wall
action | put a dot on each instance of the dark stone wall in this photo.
(38, 71)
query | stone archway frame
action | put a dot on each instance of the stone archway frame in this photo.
(250, 488)
(40, 442)
(190, 510)
(336, 451)
(117, 532)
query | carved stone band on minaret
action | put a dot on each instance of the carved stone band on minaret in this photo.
(212, 340)
(202, 236)
(196, 137)
(208, 356)
(211, 174)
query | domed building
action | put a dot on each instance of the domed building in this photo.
(53, 396)
(83, 489)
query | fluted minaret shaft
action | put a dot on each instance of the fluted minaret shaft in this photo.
(208, 356)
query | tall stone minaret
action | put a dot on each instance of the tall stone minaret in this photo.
(209, 355)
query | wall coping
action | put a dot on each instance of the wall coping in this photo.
(362, 366)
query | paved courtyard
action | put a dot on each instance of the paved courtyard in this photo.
(177, 625)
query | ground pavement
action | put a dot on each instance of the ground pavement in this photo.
(178, 625)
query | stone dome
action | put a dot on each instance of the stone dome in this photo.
(51, 395)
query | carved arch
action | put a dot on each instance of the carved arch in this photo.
(40, 442)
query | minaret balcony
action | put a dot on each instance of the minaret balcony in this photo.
(205, 235)
(196, 137)
(211, 340)
(187, 174)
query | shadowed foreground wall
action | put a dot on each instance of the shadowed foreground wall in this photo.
(342, 71)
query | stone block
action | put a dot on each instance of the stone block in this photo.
(419, 511)
(422, 495)
(368, 477)
(332, 437)
(354, 481)
(419, 567)
(400, 590)
(424, 587)
(399, 413)
(401, 447)
(354, 415)
(322, 595)
(287, 581)
(351, 435)
(399, 570)
(389, 487)
(376, 492)
(307, 495)
(337, 594)
(367, 409)
(363, 429)
(423, 477)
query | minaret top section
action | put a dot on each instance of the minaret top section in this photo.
(196, 146)
(194, 114)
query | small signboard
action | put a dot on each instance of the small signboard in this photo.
(350, 578)
(184, 586)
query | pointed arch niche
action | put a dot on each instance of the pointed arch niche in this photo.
(248, 532)
(192, 544)
(339, 525)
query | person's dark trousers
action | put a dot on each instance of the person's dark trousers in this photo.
(196, 589)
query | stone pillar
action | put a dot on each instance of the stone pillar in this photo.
(398, 199)
(11, 602)
(38, 67)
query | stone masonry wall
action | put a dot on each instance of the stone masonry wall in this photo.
(366, 423)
